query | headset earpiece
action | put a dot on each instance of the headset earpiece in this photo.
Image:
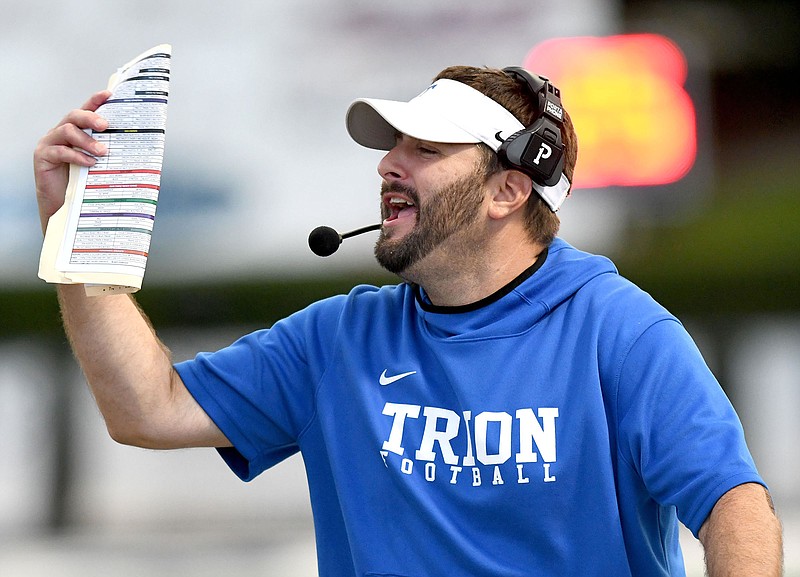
(537, 150)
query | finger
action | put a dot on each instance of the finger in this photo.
(84, 119)
(73, 135)
(57, 155)
(96, 100)
(68, 143)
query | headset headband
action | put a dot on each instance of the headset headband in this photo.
(537, 150)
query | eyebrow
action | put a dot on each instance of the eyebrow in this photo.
(451, 147)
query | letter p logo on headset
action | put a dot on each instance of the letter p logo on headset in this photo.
(537, 150)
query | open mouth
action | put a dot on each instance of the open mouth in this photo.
(398, 207)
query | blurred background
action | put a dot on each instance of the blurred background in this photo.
(257, 156)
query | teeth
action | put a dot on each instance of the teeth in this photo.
(400, 201)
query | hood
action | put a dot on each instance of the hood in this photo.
(562, 274)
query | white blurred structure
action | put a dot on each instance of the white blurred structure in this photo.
(257, 154)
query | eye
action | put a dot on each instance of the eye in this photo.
(427, 150)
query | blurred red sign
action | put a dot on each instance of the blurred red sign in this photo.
(635, 121)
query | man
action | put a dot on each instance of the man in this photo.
(514, 407)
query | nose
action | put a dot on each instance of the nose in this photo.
(391, 167)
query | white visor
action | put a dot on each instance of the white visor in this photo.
(447, 111)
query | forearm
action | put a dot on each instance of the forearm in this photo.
(742, 536)
(128, 369)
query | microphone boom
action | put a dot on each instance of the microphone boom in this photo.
(324, 240)
(361, 230)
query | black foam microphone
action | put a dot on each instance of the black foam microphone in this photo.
(324, 241)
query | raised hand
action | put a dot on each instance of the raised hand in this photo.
(66, 144)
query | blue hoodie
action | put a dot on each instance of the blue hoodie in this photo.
(560, 427)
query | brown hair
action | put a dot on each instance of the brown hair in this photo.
(541, 222)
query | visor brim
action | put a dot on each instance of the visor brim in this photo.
(374, 123)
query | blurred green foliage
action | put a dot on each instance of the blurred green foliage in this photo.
(739, 254)
(255, 302)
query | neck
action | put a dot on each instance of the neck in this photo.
(476, 273)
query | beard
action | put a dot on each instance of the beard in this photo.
(448, 210)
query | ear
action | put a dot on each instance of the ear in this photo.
(510, 191)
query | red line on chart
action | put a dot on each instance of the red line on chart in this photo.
(109, 251)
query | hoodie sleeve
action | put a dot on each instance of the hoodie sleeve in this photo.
(260, 391)
(677, 428)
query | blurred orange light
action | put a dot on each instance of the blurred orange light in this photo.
(635, 122)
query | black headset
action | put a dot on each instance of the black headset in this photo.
(537, 150)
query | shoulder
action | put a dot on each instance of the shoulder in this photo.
(362, 303)
(363, 297)
(598, 285)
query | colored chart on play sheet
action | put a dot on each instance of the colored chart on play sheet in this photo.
(121, 191)
(101, 237)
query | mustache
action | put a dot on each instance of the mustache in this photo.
(400, 188)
